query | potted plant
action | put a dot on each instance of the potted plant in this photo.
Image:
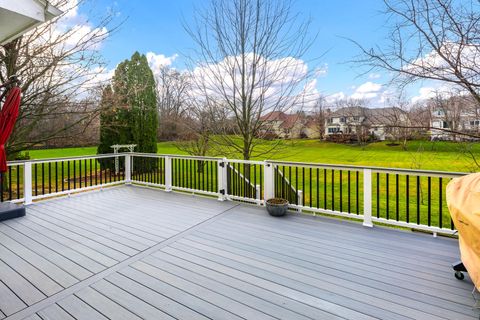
(277, 207)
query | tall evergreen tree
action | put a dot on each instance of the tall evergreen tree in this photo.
(129, 107)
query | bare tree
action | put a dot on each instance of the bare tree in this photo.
(172, 94)
(248, 59)
(319, 116)
(431, 40)
(59, 64)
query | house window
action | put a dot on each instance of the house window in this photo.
(356, 118)
(333, 130)
(475, 123)
(342, 119)
(446, 125)
(330, 120)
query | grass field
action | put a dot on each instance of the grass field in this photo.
(446, 156)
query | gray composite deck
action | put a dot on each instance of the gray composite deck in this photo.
(131, 253)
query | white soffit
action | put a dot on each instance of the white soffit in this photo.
(20, 16)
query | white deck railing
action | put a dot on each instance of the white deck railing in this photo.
(400, 197)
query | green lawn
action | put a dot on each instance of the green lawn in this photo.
(445, 156)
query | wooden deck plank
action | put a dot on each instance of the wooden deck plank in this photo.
(222, 275)
(98, 222)
(104, 305)
(18, 284)
(113, 242)
(79, 309)
(129, 302)
(9, 301)
(54, 312)
(185, 298)
(156, 299)
(230, 292)
(65, 238)
(59, 275)
(57, 246)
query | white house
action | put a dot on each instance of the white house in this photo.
(380, 123)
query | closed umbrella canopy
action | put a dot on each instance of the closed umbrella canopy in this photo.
(8, 117)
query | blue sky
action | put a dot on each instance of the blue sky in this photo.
(156, 26)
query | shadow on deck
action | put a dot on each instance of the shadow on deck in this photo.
(132, 252)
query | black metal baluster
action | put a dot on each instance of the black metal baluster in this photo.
(43, 177)
(86, 170)
(325, 188)
(378, 194)
(261, 180)
(96, 170)
(440, 202)
(407, 193)
(74, 174)
(348, 192)
(357, 191)
(101, 169)
(429, 200)
(341, 192)
(310, 204)
(9, 182)
(303, 186)
(318, 189)
(333, 189)
(255, 179)
(80, 172)
(18, 182)
(68, 174)
(35, 178)
(49, 178)
(56, 176)
(397, 213)
(63, 175)
(418, 199)
(91, 169)
(388, 191)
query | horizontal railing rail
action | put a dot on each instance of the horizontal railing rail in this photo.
(401, 197)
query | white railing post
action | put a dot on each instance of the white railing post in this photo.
(222, 179)
(300, 200)
(27, 183)
(258, 194)
(367, 198)
(168, 174)
(128, 169)
(269, 180)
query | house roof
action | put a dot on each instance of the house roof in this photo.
(287, 120)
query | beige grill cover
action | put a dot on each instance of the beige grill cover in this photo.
(463, 198)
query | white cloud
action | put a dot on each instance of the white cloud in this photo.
(430, 92)
(158, 61)
(432, 64)
(368, 90)
(334, 97)
(283, 81)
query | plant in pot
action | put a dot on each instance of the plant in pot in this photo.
(277, 207)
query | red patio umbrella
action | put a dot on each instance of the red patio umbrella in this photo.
(8, 117)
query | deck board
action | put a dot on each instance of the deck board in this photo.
(137, 253)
